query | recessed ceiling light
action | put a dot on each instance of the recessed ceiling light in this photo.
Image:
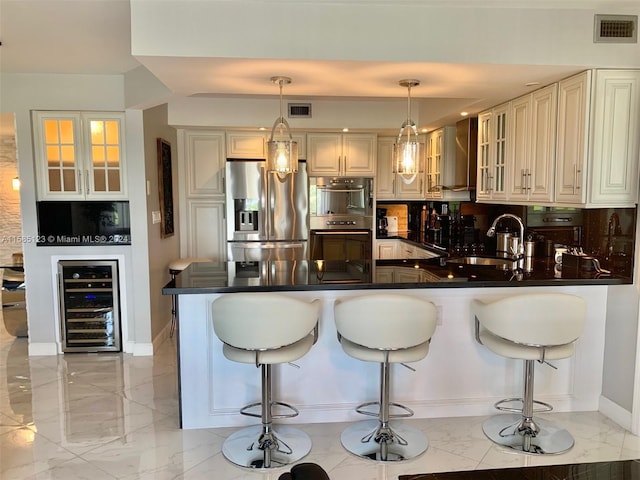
(424, 129)
(262, 128)
(464, 114)
(345, 129)
(532, 84)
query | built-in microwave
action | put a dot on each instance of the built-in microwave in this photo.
(346, 202)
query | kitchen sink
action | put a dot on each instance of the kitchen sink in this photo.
(500, 263)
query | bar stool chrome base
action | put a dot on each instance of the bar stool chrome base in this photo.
(261, 447)
(371, 440)
(533, 436)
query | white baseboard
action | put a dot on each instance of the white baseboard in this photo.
(615, 412)
(142, 349)
(39, 349)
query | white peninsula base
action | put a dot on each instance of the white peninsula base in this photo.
(458, 377)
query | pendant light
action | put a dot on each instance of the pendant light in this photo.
(406, 151)
(282, 151)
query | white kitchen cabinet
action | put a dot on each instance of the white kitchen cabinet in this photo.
(493, 150)
(441, 164)
(386, 249)
(202, 195)
(389, 185)
(207, 237)
(574, 103)
(532, 142)
(248, 145)
(615, 139)
(598, 139)
(79, 155)
(332, 154)
(205, 155)
(398, 249)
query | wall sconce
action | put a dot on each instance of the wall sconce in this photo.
(282, 153)
(406, 150)
(15, 183)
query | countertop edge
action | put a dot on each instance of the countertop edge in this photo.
(170, 289)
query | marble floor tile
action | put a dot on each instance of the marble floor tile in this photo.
(115, 416)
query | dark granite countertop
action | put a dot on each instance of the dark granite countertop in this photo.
(378, 274)
(615, 470)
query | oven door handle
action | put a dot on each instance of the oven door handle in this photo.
(342, 190)
(341, 232)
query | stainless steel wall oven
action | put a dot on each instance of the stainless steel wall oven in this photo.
(341, 218)
(341, 244)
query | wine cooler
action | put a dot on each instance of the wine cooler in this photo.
(89, 305)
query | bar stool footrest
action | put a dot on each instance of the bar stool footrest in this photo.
(361, 410)
(294, 411)
(544, 407)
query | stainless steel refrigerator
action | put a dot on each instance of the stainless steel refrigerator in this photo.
(267, 215)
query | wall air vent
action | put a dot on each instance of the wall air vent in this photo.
(615, 29)
(299, 110)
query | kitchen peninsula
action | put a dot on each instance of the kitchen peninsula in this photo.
(330, 384)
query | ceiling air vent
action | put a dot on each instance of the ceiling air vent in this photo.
(299, 110)
(616, 29)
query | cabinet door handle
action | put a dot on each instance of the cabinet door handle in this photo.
(528, 180)
(578, 172)
(80, 186)
(523, 180)
(86, 181)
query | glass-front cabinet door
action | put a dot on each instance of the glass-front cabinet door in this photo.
(500, 117)
(79, 155)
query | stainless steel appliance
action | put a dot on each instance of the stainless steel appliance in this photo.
(267, 215)
(341, 244)
(551, 226)
(341, 201)
(341, 218)
(89, 305)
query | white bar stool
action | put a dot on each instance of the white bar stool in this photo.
(385, 329)
(265, 329)
(175, 268)
(535, 327)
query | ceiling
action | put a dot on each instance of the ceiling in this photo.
(93, 37)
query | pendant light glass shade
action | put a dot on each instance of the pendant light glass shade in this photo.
(282, 151)
(407, 161)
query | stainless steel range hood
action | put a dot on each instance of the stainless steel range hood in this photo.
(466, 155)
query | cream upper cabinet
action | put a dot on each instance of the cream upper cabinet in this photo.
(574, 103)
(351, 154)
(493, 153)
(598, 139)
(433, 164)
(390, 186)
(532, 138)
(80, 155)
(615, 139)
(249, 145)
(440, 159)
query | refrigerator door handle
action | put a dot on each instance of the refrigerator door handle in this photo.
(264, 246)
